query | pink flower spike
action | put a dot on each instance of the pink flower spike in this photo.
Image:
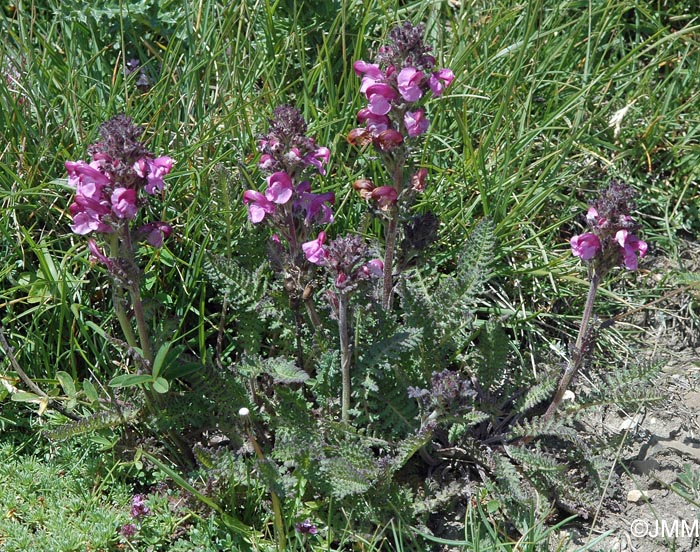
(258, 206)
(279, 188)
(440, 80)
(124, 203)
(416, 123)
(408, 81)
(586, 246)
(314, 251)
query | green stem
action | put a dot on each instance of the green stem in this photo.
(276, 504)
(118, 297)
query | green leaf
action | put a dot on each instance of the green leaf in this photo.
(90, 391)
(66, 381)
(129, 380)
(159, 361)
(161, 385)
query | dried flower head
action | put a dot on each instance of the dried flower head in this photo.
(406, 47)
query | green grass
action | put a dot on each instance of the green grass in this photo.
(524, 136)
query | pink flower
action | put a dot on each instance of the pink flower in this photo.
(594, 219)
(368, 69)
(416, 123)
(374, 123)
(156, 232)
(88, 215)
(258, 206)
(380, 97)
(319, 158)
(631, 245)
(440, 80)
(408, 81)
(279, 188)
(86, 179)
(153, 170)
(97, 255)
(371, 72)
(314, 251)
(388, 139)
(586, 246)
(375, 267)
(124, 203)
(314, 204)
(418, 179)
(266, 161)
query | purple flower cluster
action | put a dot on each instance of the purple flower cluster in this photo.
(288, 204)
(108, 188)
(306, 527)
(402, 75)
(611, 240)
(448, 390)
(139, 509)
(345, 258)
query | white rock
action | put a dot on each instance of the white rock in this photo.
(635, 495)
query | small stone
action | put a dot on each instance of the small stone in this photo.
(569, 395)
(629, 423)
(635, 495)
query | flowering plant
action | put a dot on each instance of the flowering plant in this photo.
(288, 205)
(610, 242)
(401, 77)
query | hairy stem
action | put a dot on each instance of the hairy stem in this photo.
(390, 248)
(391, 235)
(579, 348)
(345, 353)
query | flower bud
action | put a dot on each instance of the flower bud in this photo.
(389, 139)
(385, 196)
(359, 137)
(364, 187)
